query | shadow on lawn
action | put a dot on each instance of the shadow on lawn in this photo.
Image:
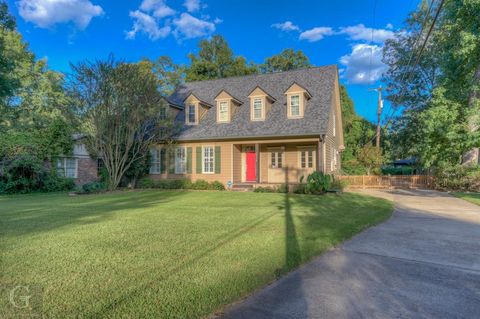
(38, 213)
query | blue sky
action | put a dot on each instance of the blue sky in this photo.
(329, 32)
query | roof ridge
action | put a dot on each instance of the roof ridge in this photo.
(269, 73)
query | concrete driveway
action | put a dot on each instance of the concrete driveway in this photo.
(422, 263)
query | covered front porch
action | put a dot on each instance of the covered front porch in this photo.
(275, 162)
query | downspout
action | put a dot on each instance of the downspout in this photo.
(321, 158)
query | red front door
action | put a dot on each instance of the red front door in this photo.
(251, 167)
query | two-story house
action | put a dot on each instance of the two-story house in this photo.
(255, 129)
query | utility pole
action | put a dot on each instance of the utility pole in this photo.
(379, 113)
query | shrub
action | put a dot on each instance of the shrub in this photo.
(54, 183)
(398, 170)
(200, 185)
(338, 184)
(282, 188)
(317, 183)
(261, 189)
(216, 185)
(180, 184)
(146, 183)
(23, 174)
(464, 178)
(93, 187)
(299, 189)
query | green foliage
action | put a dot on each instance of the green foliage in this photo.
(440, 97)
(264, 189)
(216, 185)
(180, 184)
(460, 178)
(371, 158)
(216, 60)
(398, 170)
(7, 21)
(118, 106)
(338, 184)
(54, 183)
(26, 173)
(169, 74)
(287, 60)
(93, 188)
(357, 132)
(317, 183)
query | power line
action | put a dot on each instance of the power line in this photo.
(419, 55)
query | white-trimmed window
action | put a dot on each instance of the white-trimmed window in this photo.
(208, 159)
(295, 105)
(67, 167)
(223, 111)
(191, 114)
(257, 109)
(163, 113)
(306, 158)
(333, 160)
(276, 159)
(180, 160)
(155, 161)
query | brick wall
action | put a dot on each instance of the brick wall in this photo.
(87, 171)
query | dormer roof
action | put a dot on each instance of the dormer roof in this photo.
(198, 99)
(264, 92)
(230, 95)
(295, 87)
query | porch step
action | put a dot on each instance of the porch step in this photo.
(243, 187)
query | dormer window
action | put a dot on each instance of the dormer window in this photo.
(163, 113)
(227, 106)
(191, 114)
(296, 101)
(295, 105)
(260, 104)
(258, 109)
(223, 114)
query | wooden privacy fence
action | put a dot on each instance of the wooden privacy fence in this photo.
(395, 181)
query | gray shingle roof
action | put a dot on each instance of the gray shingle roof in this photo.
(319, 81)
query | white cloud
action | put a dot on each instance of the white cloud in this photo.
(46, 13)
(286, 26)
(217, 21)
(148, 25)
(364, 64)
(316, 34)
(389, 26)
(360, 32)
(193, 5)
(189, 27)
(158, 7)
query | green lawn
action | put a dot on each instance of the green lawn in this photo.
(471, 197)
(166, 254)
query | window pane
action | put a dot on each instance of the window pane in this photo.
(295, 105)
(310, 158)
(279, 160)
(302, 160)
(208, 157)
(163, 113)
(257, 108)
(61, 167)
(191, 113)
(180, 161)
(223, 111)
(70, 167)
(155, 161)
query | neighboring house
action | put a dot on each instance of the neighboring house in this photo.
(255, 129)
(79, 166)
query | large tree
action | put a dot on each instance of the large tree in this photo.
(357, 132)
(216, 60)
(119, 108)
(287, 60)
(443, 82)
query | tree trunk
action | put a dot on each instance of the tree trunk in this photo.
(472, 157)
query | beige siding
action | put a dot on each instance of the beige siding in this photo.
(232, 161)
